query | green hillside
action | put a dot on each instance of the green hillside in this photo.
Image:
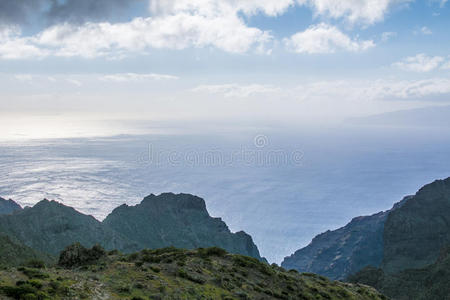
(170, 273)
(13, 253)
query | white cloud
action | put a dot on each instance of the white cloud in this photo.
(211, 8)
(349, 90)
(236, 90)
(74, 82)
(386, 36)
(420, 63)
(180, 24)
(441, 2)
(23, 77)
(413, 88)
(174, 32)
(353, 11)
(365, 90)
(127, 77)
(446, 65)
(425, 30)
(13, 46)
(176, 24)
(323, 38)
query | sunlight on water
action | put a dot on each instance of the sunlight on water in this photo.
(282, 203)
(25, 127)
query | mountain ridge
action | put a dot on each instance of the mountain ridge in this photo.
(8, 206)
(343, 251)
(166, 220)
(179, 220)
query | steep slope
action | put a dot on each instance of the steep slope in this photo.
(177, 220)
(415, 233)
(13, 253)
(173, 274)
(339, 253)
(8, 206)
(50, 226)
(429, 283)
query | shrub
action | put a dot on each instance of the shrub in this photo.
(76, 256)
(155, 269)
(133, 256)
(33, 273)
(183, 274)
(18, 292)
(138, 264)
(113, 252)
(124, 289)
(35, 263)
(35, 283)
(245, 261)
(212, 251)
(151, 258)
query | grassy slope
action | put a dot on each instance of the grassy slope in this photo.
(13, 253)
(176, 274)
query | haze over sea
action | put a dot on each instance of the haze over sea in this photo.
(279, 184)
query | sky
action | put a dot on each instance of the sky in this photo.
(298, 61)
(305, 75)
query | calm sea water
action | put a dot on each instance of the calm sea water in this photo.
(280, 186)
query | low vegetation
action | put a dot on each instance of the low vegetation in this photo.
(168, 273)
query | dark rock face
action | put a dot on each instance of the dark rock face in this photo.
(50, 227)
(339, 253)
(8, 206)
(428, 283)
(416, 260)
(179, 220)
(415, 233)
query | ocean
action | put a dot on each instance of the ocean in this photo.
(281, 185)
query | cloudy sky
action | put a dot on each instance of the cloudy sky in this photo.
(291, 60)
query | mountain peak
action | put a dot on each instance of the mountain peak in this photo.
(179, 220)
(182, 201)
(8, 206)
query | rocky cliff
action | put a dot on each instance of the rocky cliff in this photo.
(428, 283)
(415, 233)
(339, 253)
(159, 221)
(179, 220)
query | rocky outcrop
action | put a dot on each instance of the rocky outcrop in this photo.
(428, 283)
(415, 233)
(339, 253)
(159, 221)
(416, 256)
(50, 226)
(179, 220)
(8, 206)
